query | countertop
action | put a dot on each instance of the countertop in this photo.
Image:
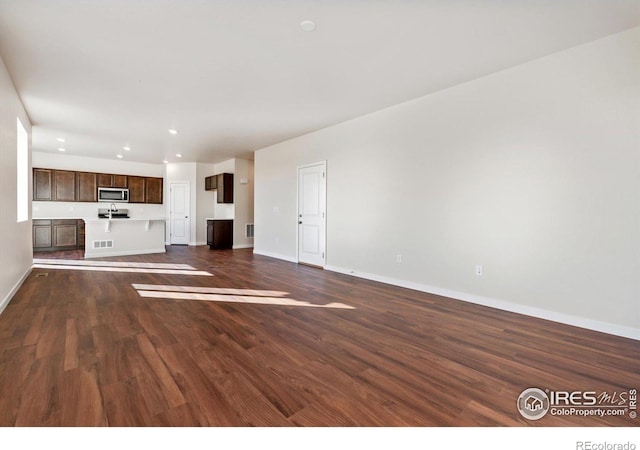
(130, 219)
(216, 218)
(96, 219)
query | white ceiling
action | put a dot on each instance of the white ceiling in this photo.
(234, 76)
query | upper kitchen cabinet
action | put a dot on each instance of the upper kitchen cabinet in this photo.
(111, 180)
(72, 186)
(153, 190)
(211, 183)
(225, 187)
(120, 181)
(64, 186)
(42, 184)
(136, 189)
(87, 187)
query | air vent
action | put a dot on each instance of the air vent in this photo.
(102, 244)
(248, 230)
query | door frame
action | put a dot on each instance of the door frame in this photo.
(169, 204)
(326, 214)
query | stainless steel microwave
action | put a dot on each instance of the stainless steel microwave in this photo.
(113, 195)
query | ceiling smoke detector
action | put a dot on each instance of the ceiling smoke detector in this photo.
(307, 25)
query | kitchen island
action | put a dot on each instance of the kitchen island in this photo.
(122, 237)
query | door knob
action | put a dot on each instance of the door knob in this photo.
(300, 222)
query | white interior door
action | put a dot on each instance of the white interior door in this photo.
(180, 223)
(312, 202)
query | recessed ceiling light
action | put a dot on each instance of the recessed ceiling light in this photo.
(164, 161)
(119, 156)
(60, 149)
(61, 139)
(173, 131)
(307, 25)
(126, 147)
(178, 155)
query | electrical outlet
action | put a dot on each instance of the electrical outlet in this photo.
(478, 270)
(398, 259)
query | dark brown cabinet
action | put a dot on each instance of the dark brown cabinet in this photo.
(136, 189)
(58, 234)
(81, 234)
(72, 186)
(220, 234)
(87, 186)
(105, 180)
(111, 180)
(65, 233)
(225, 188)
(223, 183)
(42, 184)
(64, 186)
(153, 190)
(211, 183)
(41, 234)
(120, 181)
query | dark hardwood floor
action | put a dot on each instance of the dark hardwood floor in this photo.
(84, 348)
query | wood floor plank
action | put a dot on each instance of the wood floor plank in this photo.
(124, 405)
(181, 416)
(167, 384)
(199, 388)
(41, 400)
(15, 367)
(52, 338)
(71, 346)
(93, 311)
(82, 348)
(36, 328)
(82, 404)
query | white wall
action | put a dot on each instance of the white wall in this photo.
(15, 251)
(65, 161)
(243, 202)
(533, 172)
(224, 210)
(206, 201)
(50, 210)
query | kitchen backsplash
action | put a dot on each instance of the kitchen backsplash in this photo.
(77, 210)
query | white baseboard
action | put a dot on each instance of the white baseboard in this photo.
(275, 255)
(242, 246)
(126, 253)
(5, 301)
(195, 244)
(567, 319)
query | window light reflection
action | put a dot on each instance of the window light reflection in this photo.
(249, 296)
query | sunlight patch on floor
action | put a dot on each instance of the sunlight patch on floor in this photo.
(251, 296)
(209, 290)
(121, 269)
(145, 265)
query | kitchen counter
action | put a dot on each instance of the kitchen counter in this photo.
(128, 219)
(124, 236)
